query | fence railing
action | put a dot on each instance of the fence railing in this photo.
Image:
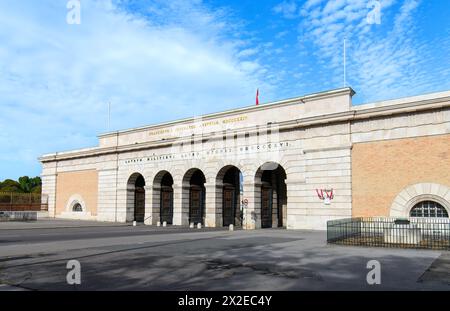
(23, 202)
(430, 233)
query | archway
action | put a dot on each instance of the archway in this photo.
(163, 197)
(195, 181)
(229, 187)
(412, 195)
(136, 198)
(271, 187)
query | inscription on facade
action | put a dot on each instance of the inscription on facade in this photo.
(199, 125)
(212, 152)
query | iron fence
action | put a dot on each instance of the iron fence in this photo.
(426, 233)
(13, 202)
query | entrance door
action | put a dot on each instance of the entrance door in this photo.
(228, 206)
(166, 213)
(266, 207)
(139, 204)
(195, 206)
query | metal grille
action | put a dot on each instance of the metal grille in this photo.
(423, 233)
(17, 202)
(428, 209)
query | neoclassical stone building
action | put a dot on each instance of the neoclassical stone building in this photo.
(294, 163)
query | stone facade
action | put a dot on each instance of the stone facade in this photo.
(283, 152)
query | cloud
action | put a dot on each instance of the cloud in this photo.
(287, 8)
(171, 60)
(384, 61)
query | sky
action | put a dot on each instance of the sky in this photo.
(161, 60)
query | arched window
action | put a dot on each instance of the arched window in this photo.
(77, 207)
(428, 209)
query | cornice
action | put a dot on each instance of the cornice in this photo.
(355, 114)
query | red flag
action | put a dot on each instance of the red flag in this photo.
(257, 97)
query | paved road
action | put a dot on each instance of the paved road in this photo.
(149, 258)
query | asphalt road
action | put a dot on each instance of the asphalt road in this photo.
(27, 236)
(149, 258)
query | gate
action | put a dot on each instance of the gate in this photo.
(266, 207)
(196, 206)
(166, 213)
(229, 207)
(139, 204)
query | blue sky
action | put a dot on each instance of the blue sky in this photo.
(159, 60)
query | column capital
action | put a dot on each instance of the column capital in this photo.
(211, 185)
(148, 188)
(251, 183)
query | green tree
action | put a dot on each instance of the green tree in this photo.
(24, 185)
(10, 185)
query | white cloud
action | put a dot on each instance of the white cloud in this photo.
(287, 8)
(175, 60)
(247, 52)
(383, 60)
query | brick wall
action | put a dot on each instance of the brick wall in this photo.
(382, 169)
(84, 183)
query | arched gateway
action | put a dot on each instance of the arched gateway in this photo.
(228, 191)
(194, 194)
(163, 197)
(136, 198)
(270, 187)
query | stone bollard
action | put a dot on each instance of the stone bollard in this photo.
(191, 225)
(199, 226)
(231, 227)
(165, 224)
(158, 224)
(134, 223)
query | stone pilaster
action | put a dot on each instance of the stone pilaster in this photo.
(149, 206)
(213, 205)
(252, 212)
(181, 205)
(122, 212)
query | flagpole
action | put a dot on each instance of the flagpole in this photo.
(109, 116)
(345, 62)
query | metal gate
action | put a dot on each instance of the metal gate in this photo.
(229, 207)
(166, 213)
(196, 206)
(266, 207)
(139, 204)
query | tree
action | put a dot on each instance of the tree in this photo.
(10, 185)
(24, 185)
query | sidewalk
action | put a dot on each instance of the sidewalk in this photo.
(51, 223)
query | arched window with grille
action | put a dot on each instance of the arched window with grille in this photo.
(77, 207)
(428, 209)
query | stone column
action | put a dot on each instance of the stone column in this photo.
(252, 212)
(156, 202)
(120, 214)
(148, 217)
(49, 193)
(181, 205)
(293, 186)
(213, 206)
(129, 203)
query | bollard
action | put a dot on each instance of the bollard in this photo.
(191, 225)
(165, 224)
(199, 226)
(158, 224)
(231, 227)
(134, 223)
